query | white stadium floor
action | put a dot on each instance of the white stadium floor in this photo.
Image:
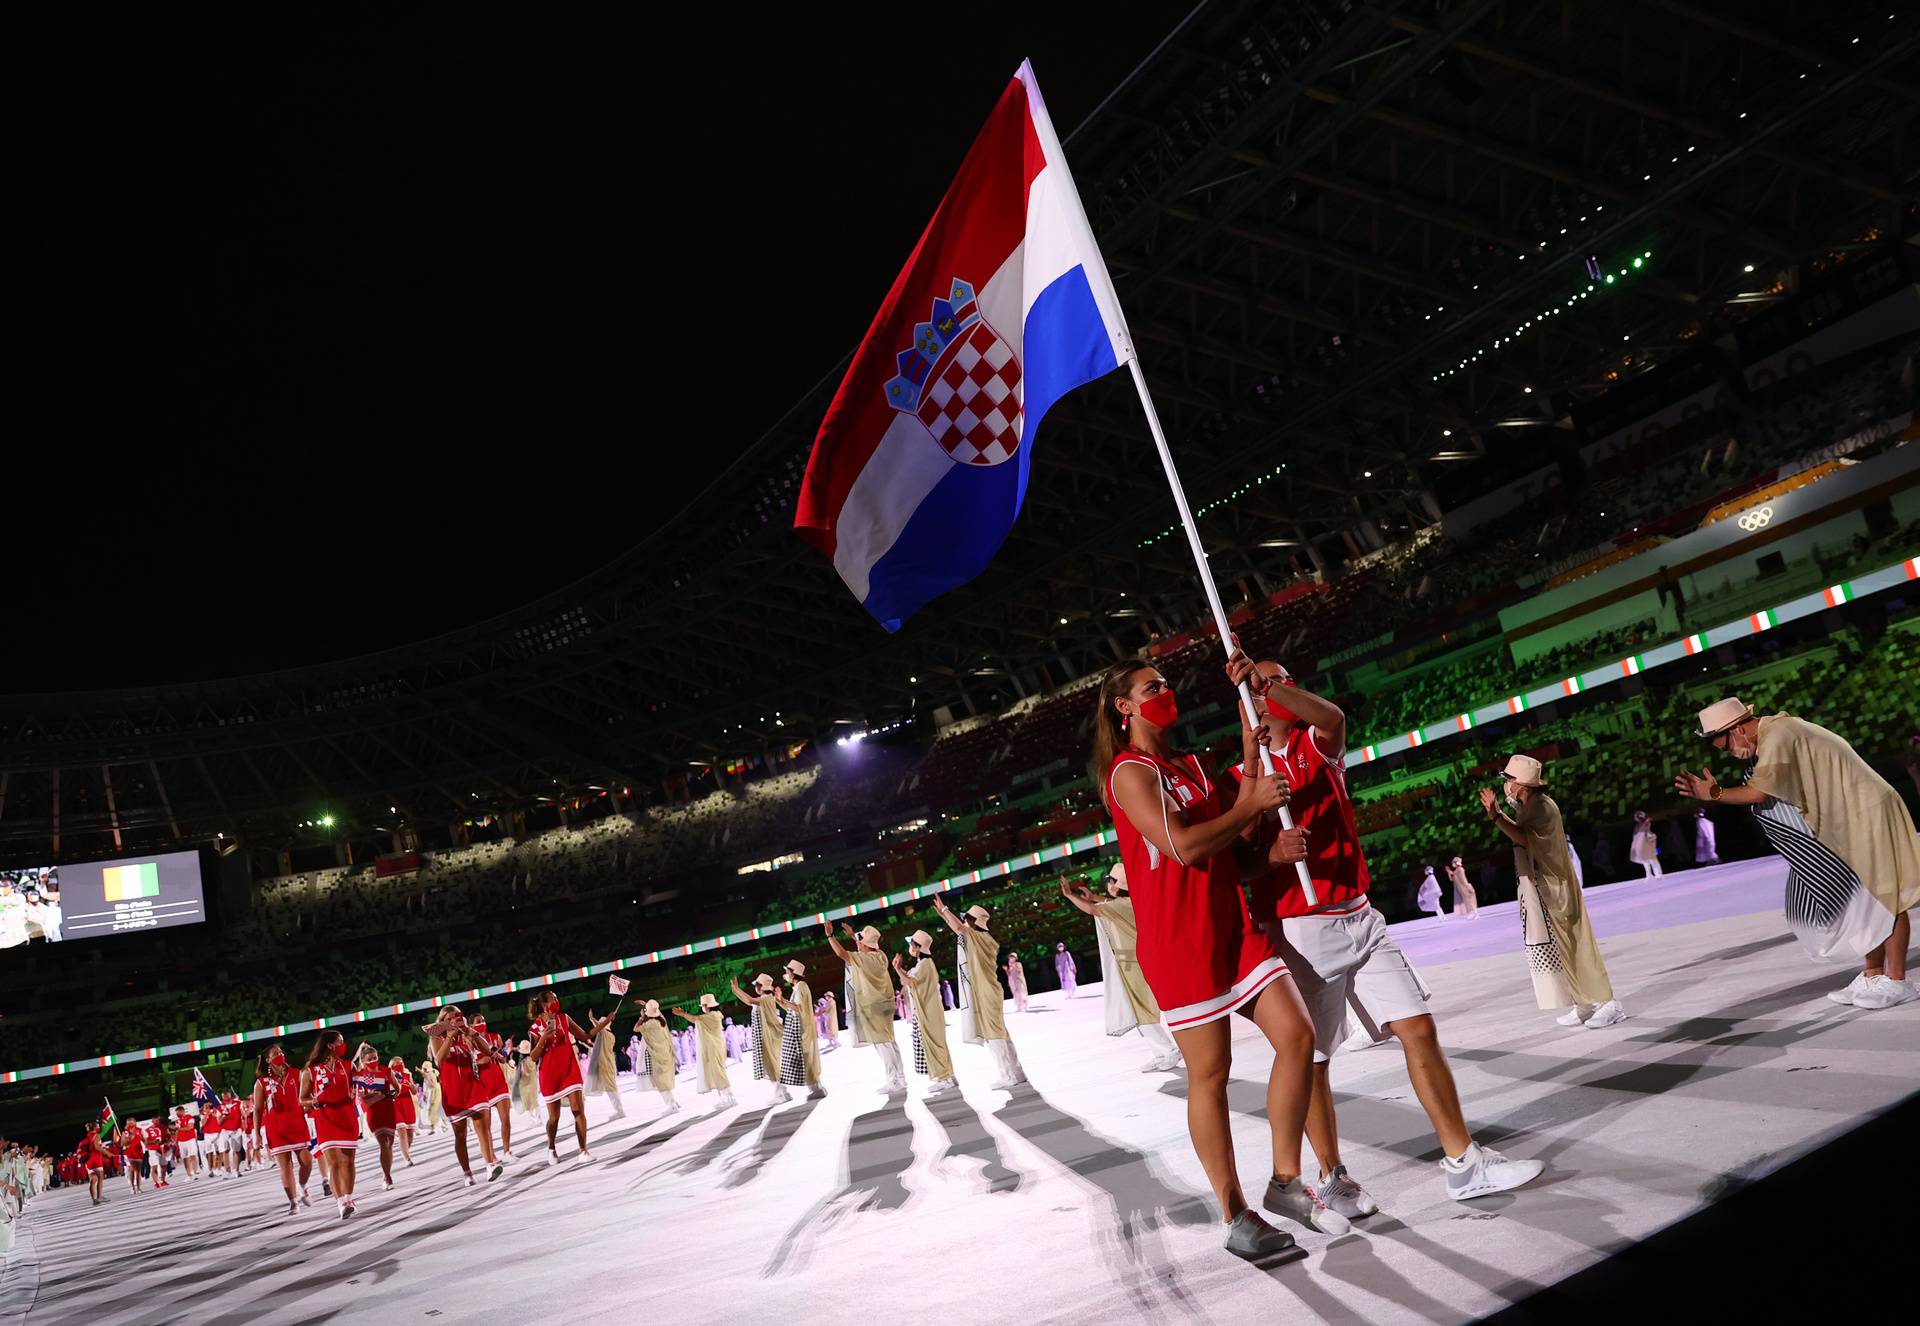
(1078, 1199)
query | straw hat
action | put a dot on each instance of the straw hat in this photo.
(795, 966)
(979, 914)
(1524, 769)
(869, 935)
(763, 977)
(1721, 715)
(653, 1008)
(921, 940)
(708, 1003)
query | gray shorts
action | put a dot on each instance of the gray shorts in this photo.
(1342, 963)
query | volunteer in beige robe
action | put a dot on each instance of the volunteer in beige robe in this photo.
(710, 1048)
(1465, 901)
(870, 1006)
(1129, 1003)
(797, 1005)
(764, 1046)
(659, 1042)
(1853, 861)
(1562, 953)
(983, 1008)
(922, 985)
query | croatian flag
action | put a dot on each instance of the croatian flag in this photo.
(921, 463)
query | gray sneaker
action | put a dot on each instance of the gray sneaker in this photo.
(1343, 1196)
(1254, 1239)
(1296, 1201)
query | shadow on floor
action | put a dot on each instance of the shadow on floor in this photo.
(879, 1151)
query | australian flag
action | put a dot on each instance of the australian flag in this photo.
(203, 1092)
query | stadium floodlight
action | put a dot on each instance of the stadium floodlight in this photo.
(326, 821)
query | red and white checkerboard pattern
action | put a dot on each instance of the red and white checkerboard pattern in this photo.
(973, 407)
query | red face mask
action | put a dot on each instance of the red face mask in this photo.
(339, 1049)
(1161, 710)
(1278, 710)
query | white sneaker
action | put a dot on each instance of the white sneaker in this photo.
(1482, 1170)
(1607, 1015)
(1885, 992)
(585, 1157)
(1576, 1015)
(1848, 995)
(1344, 1196)
(387, 1186)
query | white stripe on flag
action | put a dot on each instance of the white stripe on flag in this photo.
(904, 468)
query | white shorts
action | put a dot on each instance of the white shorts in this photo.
(236, 1141)
(197, 1149)
(1349, 962)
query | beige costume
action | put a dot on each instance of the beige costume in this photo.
(1465, 901)
(1848, 807)
(1123, 934)
(654, 1035)
(801, 997)
(986, 1004)
(710, 1048)
(872, 998)
(930, 1017)
(770, 1029)
(1562, 953)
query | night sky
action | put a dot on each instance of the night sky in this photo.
(331, 332)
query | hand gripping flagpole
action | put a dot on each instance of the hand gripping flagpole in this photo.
(1213, 597)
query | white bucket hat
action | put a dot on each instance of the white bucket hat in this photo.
(653, 1008)
(797, 967)
(1721, 715)
(1117, 878)
(921, 940)
(869, 935)
(763, 977)
(978, 913)
(1524, 769)
(708, 1003)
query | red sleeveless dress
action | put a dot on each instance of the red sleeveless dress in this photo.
(285, 1121)
(370, 1084)
(336, 1124)
(1201, 953)
(404, 1107)
(457, 1082)
(559, 1065)
(490, 1079)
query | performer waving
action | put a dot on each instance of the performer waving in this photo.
(652, 1030)
(710, 1048)
(799, 1039)
(1129, 1003)
(377, 1089)
(1201, 953)
(983, 1008)
(765, 1043)
(870, 1000)
(929, 1014)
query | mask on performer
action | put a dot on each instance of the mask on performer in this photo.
(1274, 707)
(276, 1058)
(339, 1049)
(1160, 710)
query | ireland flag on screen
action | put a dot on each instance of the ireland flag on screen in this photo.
(125, 883)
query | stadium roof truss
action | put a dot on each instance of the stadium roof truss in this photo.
(1348, 238)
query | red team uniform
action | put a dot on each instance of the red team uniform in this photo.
(370, 1082)
(457, 1084)
(286, 1122)
(336, 1125)
(559, 1065)
(404, 1111)
(490, 1087)
(1320, 805)
(1201, 953)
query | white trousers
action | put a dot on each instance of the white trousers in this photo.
(1006, 1061)
(896, 1070)
(1159, 1038)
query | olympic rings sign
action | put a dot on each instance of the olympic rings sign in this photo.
(1756, 518)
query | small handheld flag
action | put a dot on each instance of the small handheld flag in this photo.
(617, 985)
(109, 1121)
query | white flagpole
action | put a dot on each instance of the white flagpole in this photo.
(1213, 594)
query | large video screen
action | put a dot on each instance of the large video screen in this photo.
(87, 899)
